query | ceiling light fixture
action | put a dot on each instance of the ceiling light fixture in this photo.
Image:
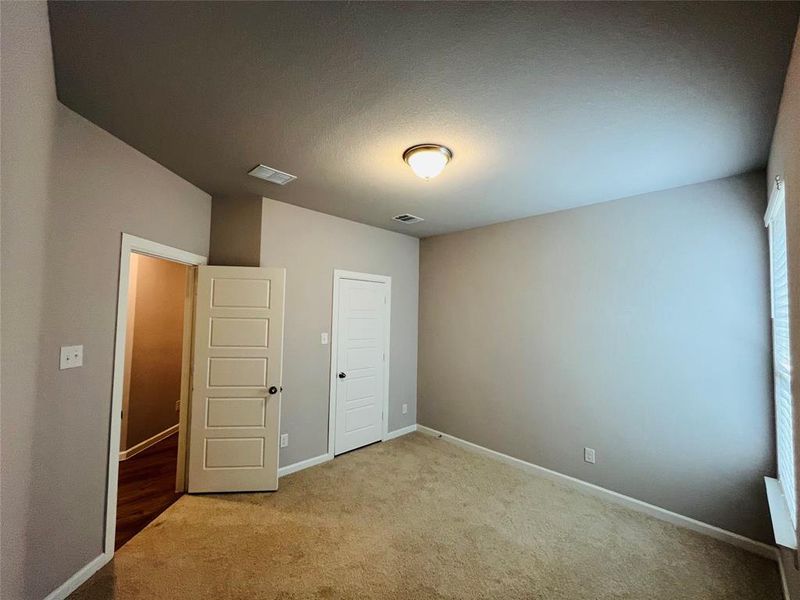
(427, 160)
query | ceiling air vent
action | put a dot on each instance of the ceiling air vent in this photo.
(406, 218)
(272, 175)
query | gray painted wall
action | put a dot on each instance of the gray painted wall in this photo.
(784, 160)
(310, 245)
(638, 327)
(69, 190)
(235, 231)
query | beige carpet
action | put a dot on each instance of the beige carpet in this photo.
(418, 517)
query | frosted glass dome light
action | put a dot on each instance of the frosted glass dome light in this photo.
(427, 160)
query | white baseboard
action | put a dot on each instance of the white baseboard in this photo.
(304, 464)
(784, 583)
(662, 514)
(323, 458)
(141, 446)
(74, 582)
(90, 569)
(398, 432)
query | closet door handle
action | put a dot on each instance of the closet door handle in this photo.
(273, 390)
(342, 375)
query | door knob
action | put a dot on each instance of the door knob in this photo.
(342, 375)
(273, 390)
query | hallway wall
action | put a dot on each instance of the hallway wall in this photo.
(156, 347)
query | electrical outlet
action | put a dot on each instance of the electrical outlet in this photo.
(589, 455)
(405, 409)
(71, 357)
(284, 440)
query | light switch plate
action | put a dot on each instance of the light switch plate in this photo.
(405, 409)
(71, 357)
(323, 338)
(284, 440)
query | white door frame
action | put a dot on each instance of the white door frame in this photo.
(131, 244)
(338, 275)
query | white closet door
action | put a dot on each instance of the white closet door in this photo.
(362, 323)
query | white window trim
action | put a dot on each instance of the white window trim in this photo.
(776, 200)
(780, 511)
(782, 527)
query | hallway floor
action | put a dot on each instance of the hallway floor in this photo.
(146, 488)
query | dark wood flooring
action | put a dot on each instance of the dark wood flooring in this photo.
(146, 488)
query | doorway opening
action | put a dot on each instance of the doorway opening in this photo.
(148, 451)
(150, 396)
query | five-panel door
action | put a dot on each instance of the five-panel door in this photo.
(236, 379)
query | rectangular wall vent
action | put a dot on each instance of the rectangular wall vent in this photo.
(272, 175)
(406, 218)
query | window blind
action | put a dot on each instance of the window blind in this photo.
(776, 222)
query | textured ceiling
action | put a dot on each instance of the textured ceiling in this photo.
(546, 106)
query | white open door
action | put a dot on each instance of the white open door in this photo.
(236, 379)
